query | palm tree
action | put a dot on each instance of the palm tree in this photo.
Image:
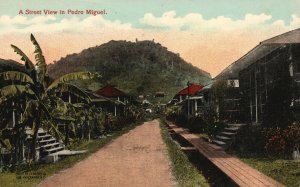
(38, 90)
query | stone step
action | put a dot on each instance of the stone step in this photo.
(232, 129)
(236, 124)
(220, 143)
(223, 138)
(51, 140)
(47, 136)
(29, 131)
(50, 145)
(229, 134)
(55, 149)
(42, 133)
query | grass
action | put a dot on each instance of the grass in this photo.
(34, 174)
(184, 172)
(284, 171)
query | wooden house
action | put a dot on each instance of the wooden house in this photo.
(119, 97)
(188, 99)
(113, 93)
(268, 78)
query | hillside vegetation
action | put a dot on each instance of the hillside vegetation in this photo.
(139, 68)
(10, 65)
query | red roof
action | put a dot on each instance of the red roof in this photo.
(110, 91)
(191, 90)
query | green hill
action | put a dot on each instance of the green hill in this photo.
(139, 68)
(10, 65)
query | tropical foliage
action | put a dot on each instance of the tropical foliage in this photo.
(204, 122)
(272, 141)
(32, 96)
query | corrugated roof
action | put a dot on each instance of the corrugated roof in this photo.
(110, 91)
(265, 47)
(191, 90)
(285, 38)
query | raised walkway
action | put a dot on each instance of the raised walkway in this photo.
(239, 172)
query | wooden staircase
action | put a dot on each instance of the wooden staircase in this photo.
(225, 138)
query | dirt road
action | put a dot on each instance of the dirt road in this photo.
(138, 158)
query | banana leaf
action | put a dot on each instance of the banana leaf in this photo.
(41, 66)
(6, 143)
(60, 109)
(31, 109)
(74, 90)
(28, 64)
(72, 77)
(16, 76)
(10, 91)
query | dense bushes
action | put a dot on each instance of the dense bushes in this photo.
(283, 141)
(272, 141)
(249, 139)
(204, 122)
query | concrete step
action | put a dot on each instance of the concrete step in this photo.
(223, 138)
(55, 149)
(229, 134)
(50, 145)
(220, 143)
(45, 137)
(232, 129)
(236, 124)
(51, 140)
(42, 133)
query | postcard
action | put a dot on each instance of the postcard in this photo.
(149, 93)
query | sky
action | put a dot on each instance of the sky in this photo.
(209, 34)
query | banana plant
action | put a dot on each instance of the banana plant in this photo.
(39, 89)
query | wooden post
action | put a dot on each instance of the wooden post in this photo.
(115, 110)
(14, 115)
(0, 158)
(89, 130)
(196, 105)
(188, 97)
(70, 99)
(23, 152)
(251, 115)
(218, 109)
(82, 133)
(256, 100)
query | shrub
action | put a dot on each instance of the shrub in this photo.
(250, 139)
(283, 141)
(172, 112)
(273, 141)
(196, 124)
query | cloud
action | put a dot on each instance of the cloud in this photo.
(50, 24)
(210, 44)
(196, 22)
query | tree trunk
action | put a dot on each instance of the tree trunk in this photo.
(66, 135)
(89, 130)
(34, 138)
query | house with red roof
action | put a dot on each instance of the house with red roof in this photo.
(112, 93)
(188, 98)
(191, 90)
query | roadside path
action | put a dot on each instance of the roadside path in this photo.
(138, 158)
